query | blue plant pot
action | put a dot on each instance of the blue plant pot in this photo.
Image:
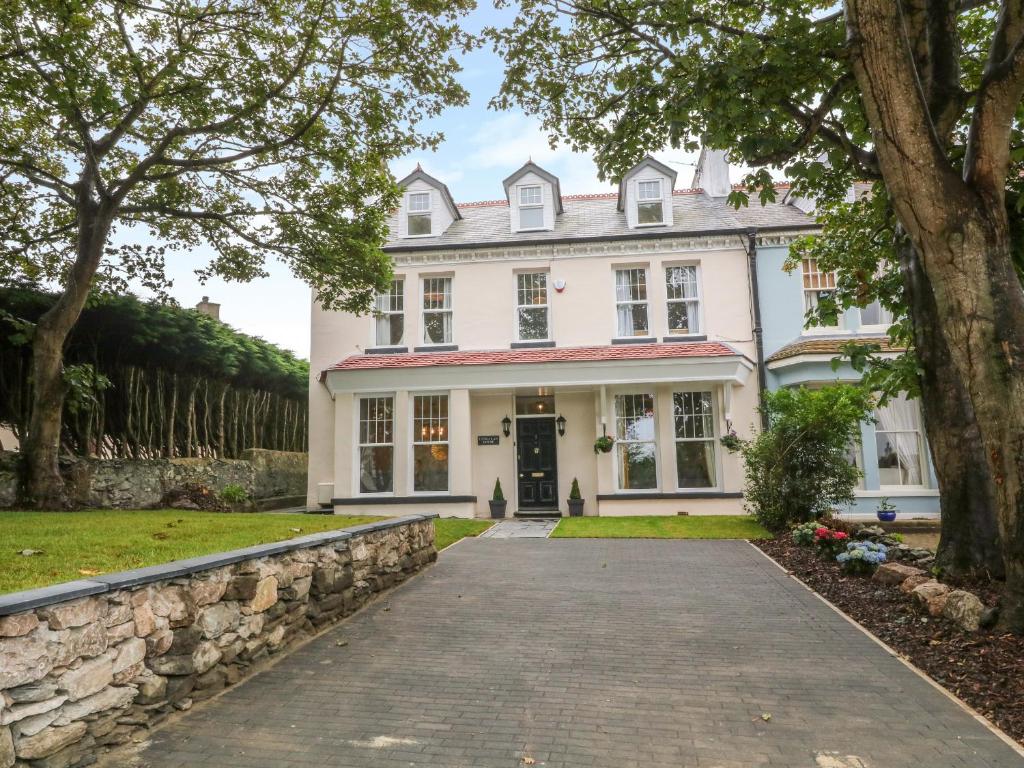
(886, 516)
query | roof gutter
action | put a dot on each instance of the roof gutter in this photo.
(755, 303)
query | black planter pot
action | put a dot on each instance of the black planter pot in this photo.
(498, 508)
(576, 507)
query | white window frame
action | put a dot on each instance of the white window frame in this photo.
(713, 439)
(922, 453)
(449, 310)
(427, 212)
(619, 442)
(646, 301)
(359, 445)
(546, 306)
(659, 199)
(876, 326)
(824, 282)
(414, 441)
(530, 206)
(379, 311)
(697, 301)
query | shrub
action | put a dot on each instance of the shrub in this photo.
(234, 494)
(862, 556)
(574, 492)
(803, 534)
(497, 495)
(798, 469)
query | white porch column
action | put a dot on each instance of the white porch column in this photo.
(403, 442)
(666, 436)
(460, 443)
(344, 451)
(604, 404)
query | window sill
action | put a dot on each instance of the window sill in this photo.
(385, 350)
(419, 237)
(648, 226)
(433, 498)
(638, 495)
(437, 348)
(635, 340)
(833, 330)
(532, 344)
(689, 337)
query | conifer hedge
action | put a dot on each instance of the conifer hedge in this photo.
(148, 380)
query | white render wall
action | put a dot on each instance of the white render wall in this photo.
(483, 299)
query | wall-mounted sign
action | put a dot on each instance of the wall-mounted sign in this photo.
(487, 439)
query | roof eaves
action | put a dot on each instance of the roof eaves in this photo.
(420, 175)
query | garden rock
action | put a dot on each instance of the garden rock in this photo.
(932, 595)
(895, 573)
(145, 620)
(129, 654)
(965, 609)
(266, 595)
(25, 659)
(912, 582)
(989, 617)
(34, 692)
(869, 532)
(108, 698)
(217, 619)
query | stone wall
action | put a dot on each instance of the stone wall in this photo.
(142, 483)
(91, 664)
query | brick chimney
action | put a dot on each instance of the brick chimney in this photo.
(208, 308)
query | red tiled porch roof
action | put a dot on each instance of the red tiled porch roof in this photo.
(542, 355)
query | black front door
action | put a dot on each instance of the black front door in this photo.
(538, 471)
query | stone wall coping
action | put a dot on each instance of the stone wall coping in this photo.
(30, 599)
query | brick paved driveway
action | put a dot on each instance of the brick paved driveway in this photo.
(587, 653)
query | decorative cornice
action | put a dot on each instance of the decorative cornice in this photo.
(625, 248)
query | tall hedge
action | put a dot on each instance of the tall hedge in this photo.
(149, 380)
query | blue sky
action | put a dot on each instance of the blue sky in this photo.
(481, 148)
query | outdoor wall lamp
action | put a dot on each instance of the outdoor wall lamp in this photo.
(560, 423)
(506, 426)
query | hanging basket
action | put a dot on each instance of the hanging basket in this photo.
(604, 444)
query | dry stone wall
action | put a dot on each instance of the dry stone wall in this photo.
(143, 483)
(91, 664)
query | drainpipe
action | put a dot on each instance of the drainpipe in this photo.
(755, 300)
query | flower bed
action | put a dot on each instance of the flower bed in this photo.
(984, 668)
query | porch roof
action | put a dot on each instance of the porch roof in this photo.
(547, 366)
(541, 355)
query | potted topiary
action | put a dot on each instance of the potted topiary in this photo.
(497, 502)
(886, 511)
(575, 500)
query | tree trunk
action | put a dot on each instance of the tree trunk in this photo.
(969, 543)
(44, 485)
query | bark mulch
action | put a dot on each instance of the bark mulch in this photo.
(984, 668)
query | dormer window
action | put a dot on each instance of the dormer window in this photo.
(531, 207)
(649, 209)
(419, 214)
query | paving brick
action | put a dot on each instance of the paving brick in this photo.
(585, 654)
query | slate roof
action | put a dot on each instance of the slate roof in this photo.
(828, 345)
(612, 352)
(597, 217)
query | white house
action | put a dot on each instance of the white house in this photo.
(518, 331)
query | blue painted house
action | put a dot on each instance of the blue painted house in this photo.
(893, 453)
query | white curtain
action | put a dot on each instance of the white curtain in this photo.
(899, 419)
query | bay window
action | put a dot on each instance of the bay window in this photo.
(899, 440)
(376, 444)
(635, 448)
(430, 443)
(695, 439)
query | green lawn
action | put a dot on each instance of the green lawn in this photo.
(451, 529)
(77, 545)
(682, 527)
